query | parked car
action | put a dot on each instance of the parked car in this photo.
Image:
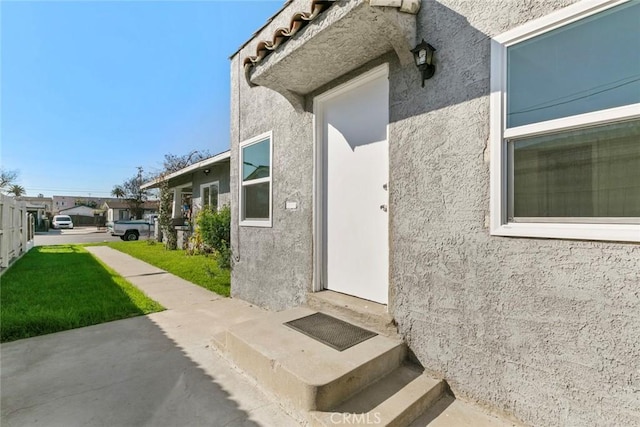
(132, 230)
(62, 221)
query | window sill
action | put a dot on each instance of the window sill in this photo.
(256, 223)
(599, 232)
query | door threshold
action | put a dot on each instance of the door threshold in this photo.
(368, 314)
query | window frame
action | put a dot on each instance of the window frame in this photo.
(244, 144)
(204, 203)
(501, 172)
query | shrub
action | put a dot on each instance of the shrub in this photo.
(213, 233)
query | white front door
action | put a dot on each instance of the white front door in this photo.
(353, 120)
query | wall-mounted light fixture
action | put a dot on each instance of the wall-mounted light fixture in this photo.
(423, 57)
(206, 171)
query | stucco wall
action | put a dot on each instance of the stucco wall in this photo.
(218, 172)
(273, 266)
(546, 330)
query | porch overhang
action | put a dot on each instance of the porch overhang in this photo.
(177, 178)
(343, 36)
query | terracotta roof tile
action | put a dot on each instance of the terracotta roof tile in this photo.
(281, 35)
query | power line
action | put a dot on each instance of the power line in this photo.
(575, 99)
(67, 190)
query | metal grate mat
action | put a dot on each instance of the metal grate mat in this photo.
(330, 331)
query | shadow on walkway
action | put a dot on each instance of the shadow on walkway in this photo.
(122, 373)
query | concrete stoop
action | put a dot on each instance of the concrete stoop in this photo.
(367, 314)
(303, 373)
(322, 386)
(395, 400)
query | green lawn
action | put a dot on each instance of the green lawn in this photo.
(55, 288)
(201, 270)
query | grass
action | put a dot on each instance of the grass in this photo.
(201, 270)
(56, 288)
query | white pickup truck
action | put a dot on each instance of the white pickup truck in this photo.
(133, 229)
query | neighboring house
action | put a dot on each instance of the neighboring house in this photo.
(65, 202)
(43, 203)
(39, 207)
(495, 211)
(79, 211)
(119, 210)
(203, 183)
(84, 215)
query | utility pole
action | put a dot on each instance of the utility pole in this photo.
(140, 212)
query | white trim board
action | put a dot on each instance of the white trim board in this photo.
(256, 223)
(499, 173)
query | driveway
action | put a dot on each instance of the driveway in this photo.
(155, 370)
(76, 235)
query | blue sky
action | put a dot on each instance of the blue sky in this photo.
(90, 90)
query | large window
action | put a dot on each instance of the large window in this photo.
(565, 127)
(255, 178)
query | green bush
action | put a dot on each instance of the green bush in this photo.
(223, 255)
(214, 233)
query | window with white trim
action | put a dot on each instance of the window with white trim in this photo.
(209, 195)
(565, 126)
(255, 181)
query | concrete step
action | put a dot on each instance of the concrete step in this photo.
(452, 412)
(395, 400)
(302, 373)
(368, 314)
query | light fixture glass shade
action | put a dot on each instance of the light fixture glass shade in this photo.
(422, 57)
(423, 54)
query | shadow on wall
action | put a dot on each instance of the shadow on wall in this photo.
(462, 61)
(347, 113)
(462, 73)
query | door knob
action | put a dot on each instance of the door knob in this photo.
(385, 186)
(383, 208)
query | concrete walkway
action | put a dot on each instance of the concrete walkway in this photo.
(155, 370)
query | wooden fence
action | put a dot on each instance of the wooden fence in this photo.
(17, 228)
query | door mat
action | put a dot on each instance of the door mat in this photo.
(333, 332)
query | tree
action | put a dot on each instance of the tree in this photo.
(16, 190)
(118, 192)
(164, 218)
(40, 195)
(133, 195)
(7, 178)
(174, 163)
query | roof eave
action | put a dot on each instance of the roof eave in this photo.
(345, 37)
(218, 158)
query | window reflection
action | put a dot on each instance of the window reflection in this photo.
(590, 65)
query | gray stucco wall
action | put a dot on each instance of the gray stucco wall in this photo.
(218, 172)
(285, 248)
(546, 330)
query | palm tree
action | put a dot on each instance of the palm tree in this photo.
(118, 192)
(16, 190)
(7, 178)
